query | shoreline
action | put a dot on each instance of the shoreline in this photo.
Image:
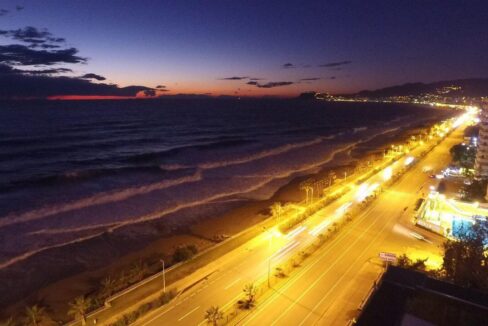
(202, 230)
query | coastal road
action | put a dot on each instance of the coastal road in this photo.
(329, 290)
(332, 282)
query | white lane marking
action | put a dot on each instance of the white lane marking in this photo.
(158, 315)
(295, 232)
(233, 300)
(232, 283)
(286, 251)
(188, 313)
(285, 248)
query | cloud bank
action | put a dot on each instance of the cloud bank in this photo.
(274, 84)
(235, 78)
(35, 68)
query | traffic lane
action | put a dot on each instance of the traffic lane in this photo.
(289, 300)
(225, 287)
(323, 291)
(341, 309)
(218, 288)
(332, 252)
(354, 284)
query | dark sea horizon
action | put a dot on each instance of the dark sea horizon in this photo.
(70, 171)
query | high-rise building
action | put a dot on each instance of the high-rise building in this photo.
(481, 164)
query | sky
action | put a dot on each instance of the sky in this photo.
(244, 48)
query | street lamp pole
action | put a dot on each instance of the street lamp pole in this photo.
(164, 277)
(269, 262)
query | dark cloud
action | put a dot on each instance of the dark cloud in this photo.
(335, 64)
(6, 69)
(93, 76)
(150, 92)
(333, 77)
(254, 79)
(16, 54)
(32, 35)
(3, 12)
(274, 84)
(288, 65)
(43, 50)
(19, 85)
(52, 71)
(235, 78)
(160, 86)
(49, 46)
(310, 79)
(19, 8)
(252, 82)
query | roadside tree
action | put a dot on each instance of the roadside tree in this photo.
(34, 315)
(213, 315)
(78, 308)
(465, 260)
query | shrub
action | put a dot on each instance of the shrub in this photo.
(184, 253)
(144, 308)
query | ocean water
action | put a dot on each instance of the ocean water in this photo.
(72, 171)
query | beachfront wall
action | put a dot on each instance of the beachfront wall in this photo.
(448, 217)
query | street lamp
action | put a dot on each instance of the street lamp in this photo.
(271, 233)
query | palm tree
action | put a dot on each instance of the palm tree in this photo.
(78, 308)
(34, 315)
(139, 270)
(250, 291)
(213, 315)
(108, 286)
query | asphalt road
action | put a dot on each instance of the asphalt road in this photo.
(331, 288)
(330, 285)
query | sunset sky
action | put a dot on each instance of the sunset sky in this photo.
(245, 48)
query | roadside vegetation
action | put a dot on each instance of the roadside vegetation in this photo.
(213, 315)
(463, 155)
(465, 260)
(80, 307)
(143, 309)
(475, 191)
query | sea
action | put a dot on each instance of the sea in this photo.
(72, 171)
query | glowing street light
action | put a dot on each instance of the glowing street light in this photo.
(273, 233)
(362, 192)
(409, 160)
(387, 173)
